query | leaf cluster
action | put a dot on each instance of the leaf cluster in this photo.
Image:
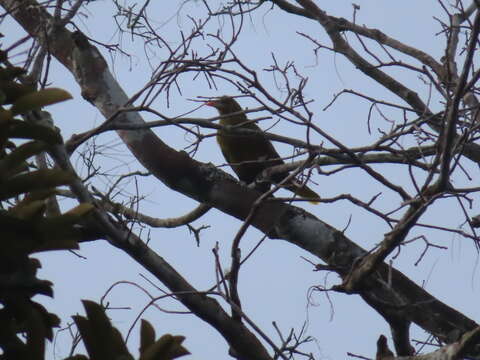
(25, 226)
(103, 341)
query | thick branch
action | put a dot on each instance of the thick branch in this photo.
(334, 28)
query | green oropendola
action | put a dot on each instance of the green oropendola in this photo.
(250, 155)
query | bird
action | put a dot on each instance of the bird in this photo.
(249, 155)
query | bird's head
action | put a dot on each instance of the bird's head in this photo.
(224, 105)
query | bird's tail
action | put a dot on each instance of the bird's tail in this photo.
(303, 191)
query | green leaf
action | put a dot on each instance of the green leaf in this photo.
(39, 99)
(35, 180)
(21, 129)
(13, 91)
(168, 347)
(147, 335)
(16, 158)
(33, 209)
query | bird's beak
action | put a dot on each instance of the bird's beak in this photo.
(211, 103)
